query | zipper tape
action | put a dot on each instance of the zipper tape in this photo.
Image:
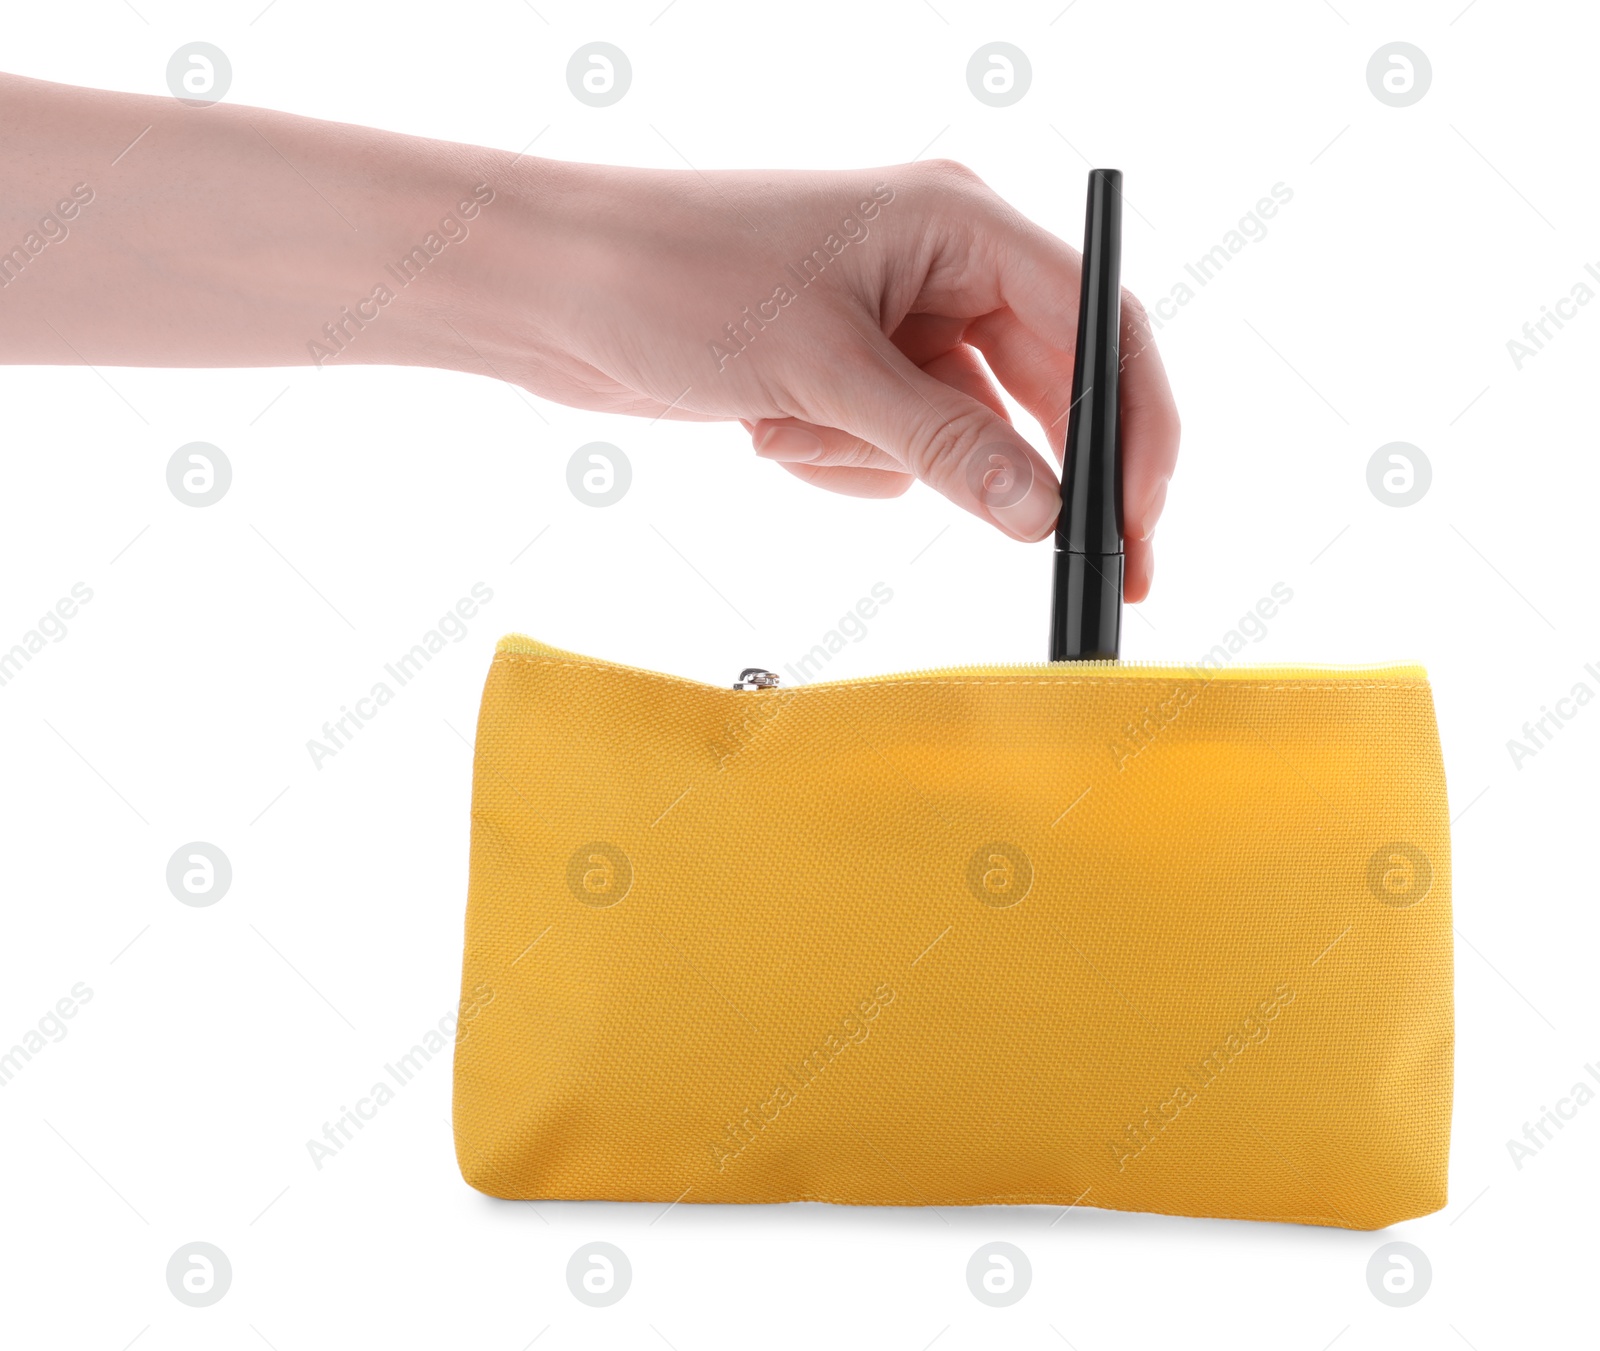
(755, 678)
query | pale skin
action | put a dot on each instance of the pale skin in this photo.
(233, 236)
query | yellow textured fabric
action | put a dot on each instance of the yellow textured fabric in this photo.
(1155, 939)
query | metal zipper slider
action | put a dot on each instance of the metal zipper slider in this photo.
(754, 678)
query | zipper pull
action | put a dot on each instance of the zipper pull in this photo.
(754, 678)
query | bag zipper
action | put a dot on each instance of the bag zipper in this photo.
(755, 678)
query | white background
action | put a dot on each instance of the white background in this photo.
(365, 502)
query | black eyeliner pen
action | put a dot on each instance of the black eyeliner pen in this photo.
(1086, 607)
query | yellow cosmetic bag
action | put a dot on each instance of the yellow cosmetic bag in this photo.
(1147, 938)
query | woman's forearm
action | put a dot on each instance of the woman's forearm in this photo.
(135, 230)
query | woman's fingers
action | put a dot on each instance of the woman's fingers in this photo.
(955, 443)
(790, 441)
(1039, 377)
(1039, 280)
(853, 482)
(962, 368)
(1138, 568)
(985, 284)
(994, 263)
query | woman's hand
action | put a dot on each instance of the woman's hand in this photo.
(850, 320)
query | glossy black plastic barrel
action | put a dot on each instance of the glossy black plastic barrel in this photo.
(1086, 613)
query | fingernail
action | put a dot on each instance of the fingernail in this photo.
(792, 445)
(1036, 512)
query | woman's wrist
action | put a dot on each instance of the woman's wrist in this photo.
(421, 243)
(477, 268)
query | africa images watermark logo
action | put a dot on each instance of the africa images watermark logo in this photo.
(1538, 1133)
(344, 328)
(338, 733)
(758, 714)
(853, 229)
(1538, 733)
(1251, 228)
(50, 1028)
(1154, 719)
(52, 229)
(451, 1029)
(1538, 333)
(1251, 1030)
(51, 626)
(795, 1078)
